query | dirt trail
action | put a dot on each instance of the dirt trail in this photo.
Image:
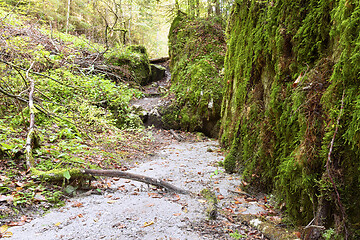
(132, 210)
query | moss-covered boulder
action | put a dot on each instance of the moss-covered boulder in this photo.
(133, 64)
(197, 50)
(290, 112)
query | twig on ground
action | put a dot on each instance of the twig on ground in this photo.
(176, 136)
(9, 13)
(241, 193)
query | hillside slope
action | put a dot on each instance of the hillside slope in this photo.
(75, 96)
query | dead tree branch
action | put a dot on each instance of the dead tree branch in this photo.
(44, 111)
(135, 177)
(323, 206)
(39, 74)
(13, 96)
(176, 136)
(31, 136)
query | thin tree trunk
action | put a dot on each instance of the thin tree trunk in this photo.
(129, 30)
(197, 8)
(217, 7)
(68, 16)
(210, 8)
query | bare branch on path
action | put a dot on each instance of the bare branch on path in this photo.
(135, 177)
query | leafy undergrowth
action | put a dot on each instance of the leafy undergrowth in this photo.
(82, 115)
(113, 149)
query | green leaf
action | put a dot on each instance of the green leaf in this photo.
(70, 189)
(66, 175)
(6, 146)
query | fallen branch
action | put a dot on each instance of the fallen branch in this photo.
(323, 206)
(44, 111)
(135, 177)
(59, 175)
(13, 96)
(32, 139)
(39, 74)
(176, 136)
(241, 193)
(11, 11)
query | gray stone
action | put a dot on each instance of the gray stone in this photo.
(157, 72)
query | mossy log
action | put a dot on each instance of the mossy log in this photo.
(211, 200)
(59, 175)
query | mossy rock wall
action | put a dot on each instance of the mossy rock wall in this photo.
(197, 51)
(289, 67)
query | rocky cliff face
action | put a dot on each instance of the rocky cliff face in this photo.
(197, 50)
(291, 106)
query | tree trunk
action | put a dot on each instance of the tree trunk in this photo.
(68, 16)
(197, 8)
(217, 8)
(210, 8)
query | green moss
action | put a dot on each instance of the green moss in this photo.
(211, 200)
(133, 62)
(59, 174)
(279, 129)
(230, 161)
(196, 49)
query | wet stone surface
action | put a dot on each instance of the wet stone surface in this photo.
(133, 210)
